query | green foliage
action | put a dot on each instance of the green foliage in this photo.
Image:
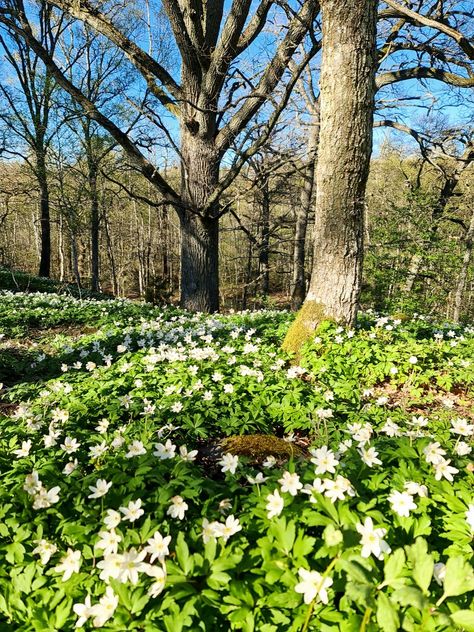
(17, 281)
(317, 540)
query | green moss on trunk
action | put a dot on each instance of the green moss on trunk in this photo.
(304, 325)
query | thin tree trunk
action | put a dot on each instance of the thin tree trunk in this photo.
(74, 259)
(298, 285)
(140, 250)
(264, 250)
(165, 258)
(94, 225)
(248, 274)
(414, 268)
(110, 251)
(347, 102)
(45, 220)
(462, 278)
(62, 258)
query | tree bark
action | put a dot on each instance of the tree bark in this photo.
(347, 88)
(74, 258)
(264, 250)
(302, 213)
(199, 263)
(199, 224)
(94, 225)
(110, 251)
(45, 221)
(466, 261)
(62, 257)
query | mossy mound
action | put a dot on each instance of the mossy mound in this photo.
(258, 447)
(303, 327)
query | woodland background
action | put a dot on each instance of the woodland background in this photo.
(109, 229)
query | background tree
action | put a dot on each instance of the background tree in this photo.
(27, 110)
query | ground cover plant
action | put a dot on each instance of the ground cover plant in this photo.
(17, 281)
(121, 508)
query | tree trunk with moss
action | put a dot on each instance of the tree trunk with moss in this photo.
(347, 88)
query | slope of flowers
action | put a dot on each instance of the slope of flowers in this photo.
(20, 311)
(117, 511)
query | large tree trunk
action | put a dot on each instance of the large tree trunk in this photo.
(199, 224)
(45, 221)
(298, 291)
(347, 101)
(199, 263)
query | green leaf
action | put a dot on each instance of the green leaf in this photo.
(284, 533)
(62, 612)
(359, 593)
(139, 603)
(387, 616)
(423, 564)
(218, 580)
(459, 577)
(410, 596)
(393, 568)
(123, 593)
(464, 619)
(303, 545)
(182, 554)
(328, 507)
(355, 571)
(15, 553)
(421, 526)
(22, 581)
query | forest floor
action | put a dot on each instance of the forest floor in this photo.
(169, 471)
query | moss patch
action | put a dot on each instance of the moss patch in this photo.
(258, 447)
(303, 327)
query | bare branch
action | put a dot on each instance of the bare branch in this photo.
(145, 166)
(190, 54)
(297, 29)
(148, 67)
(421, 20)
(423, 72)
(264, 134)
(226, 48)
(254, 27)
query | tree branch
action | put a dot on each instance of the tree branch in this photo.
(423, 72)
(297, 29)
(255, 26)
(148, 67)
(403, 11)
(226, 48)
(264, 134)
(145, 166)
(189, 53)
